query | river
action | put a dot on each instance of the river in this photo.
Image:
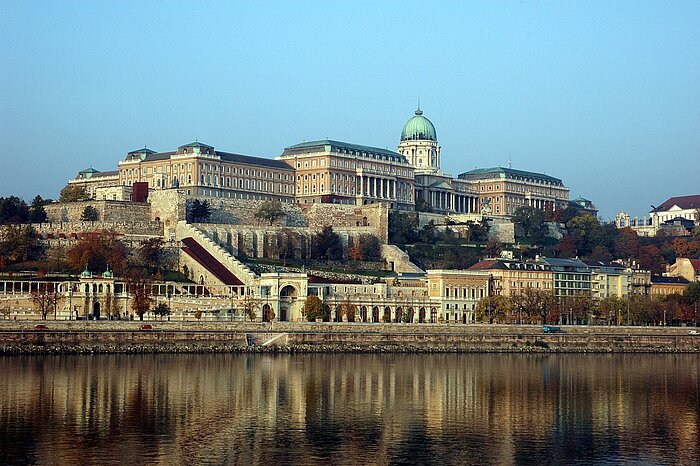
(350, 409)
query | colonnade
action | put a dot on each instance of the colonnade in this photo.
(385, 188)
(453, 202)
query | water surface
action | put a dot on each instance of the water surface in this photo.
(350, 409)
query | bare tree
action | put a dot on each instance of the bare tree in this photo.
(46, 298)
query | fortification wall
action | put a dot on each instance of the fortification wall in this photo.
(107, 211)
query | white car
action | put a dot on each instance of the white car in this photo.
(693, 332)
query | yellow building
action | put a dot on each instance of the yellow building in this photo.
(502, 190)
(338, 172)
(459, 291)
(514, 277)
(200, 170)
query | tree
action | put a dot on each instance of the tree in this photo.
(18, 243)
(402, 227)
(327, 244)
(90, 214)
(46, 298)
(284, 247)
(97, 251)
(270, 211)
(492, 249)
(140, 292)
(199, 211)
(161, 310)
(367, 247)
(37, 213)
(537, 304)
(566, 246)
(530, 219)
(692, 293)
(13, 210)
(492, 309)
(151, 254)
(72, 193)
(313, 308)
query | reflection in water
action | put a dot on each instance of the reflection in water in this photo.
(350, 409)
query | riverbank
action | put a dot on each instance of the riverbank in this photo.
(89, 337)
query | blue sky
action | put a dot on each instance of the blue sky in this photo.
(605, 95)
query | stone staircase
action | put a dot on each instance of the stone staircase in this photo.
(240, 270)
(402, 263)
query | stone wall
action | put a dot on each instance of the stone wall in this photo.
(374, 217)
(502, 230)
(108, 211)
(72, 230)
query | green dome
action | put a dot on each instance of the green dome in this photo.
(418, 128)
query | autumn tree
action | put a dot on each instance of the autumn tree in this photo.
(72, 193)
(270, 211)
(366, 247)
(284, 247)
(538, 304)
(313, 308)
(140, 292)
(493, 309)
(151, 254)
(97, 251)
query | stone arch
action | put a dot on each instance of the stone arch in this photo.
(96, 310)
(363, 313)
(375, 314)
(421, 315)
(288, 291)
(386, 317)
(267, 313)
(433, 315)
(410, 314)
(399, 314)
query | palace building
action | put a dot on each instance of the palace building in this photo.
(328, 171)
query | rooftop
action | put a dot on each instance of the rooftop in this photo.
(502, 172)
(343, 147)
(684, 202)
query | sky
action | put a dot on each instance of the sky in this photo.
(604, 95)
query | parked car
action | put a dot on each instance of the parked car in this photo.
(550, 329)
(40, 327)
(693, 332)
(147, 327)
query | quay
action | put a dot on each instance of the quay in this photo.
(79, 337)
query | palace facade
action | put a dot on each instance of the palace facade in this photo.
(328, 171)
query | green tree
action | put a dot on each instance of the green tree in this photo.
(199, 211)
(492, 249)
(530, 219)
(151, 254)
(327, 244)
(37, 213)
(13, 210)
(18, 243)
(162, 310)
(692, 293)
(403, 227)
(270, 211)
(90, 214)
(313, 308)
(72, 193)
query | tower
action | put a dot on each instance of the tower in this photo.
(419, 144)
